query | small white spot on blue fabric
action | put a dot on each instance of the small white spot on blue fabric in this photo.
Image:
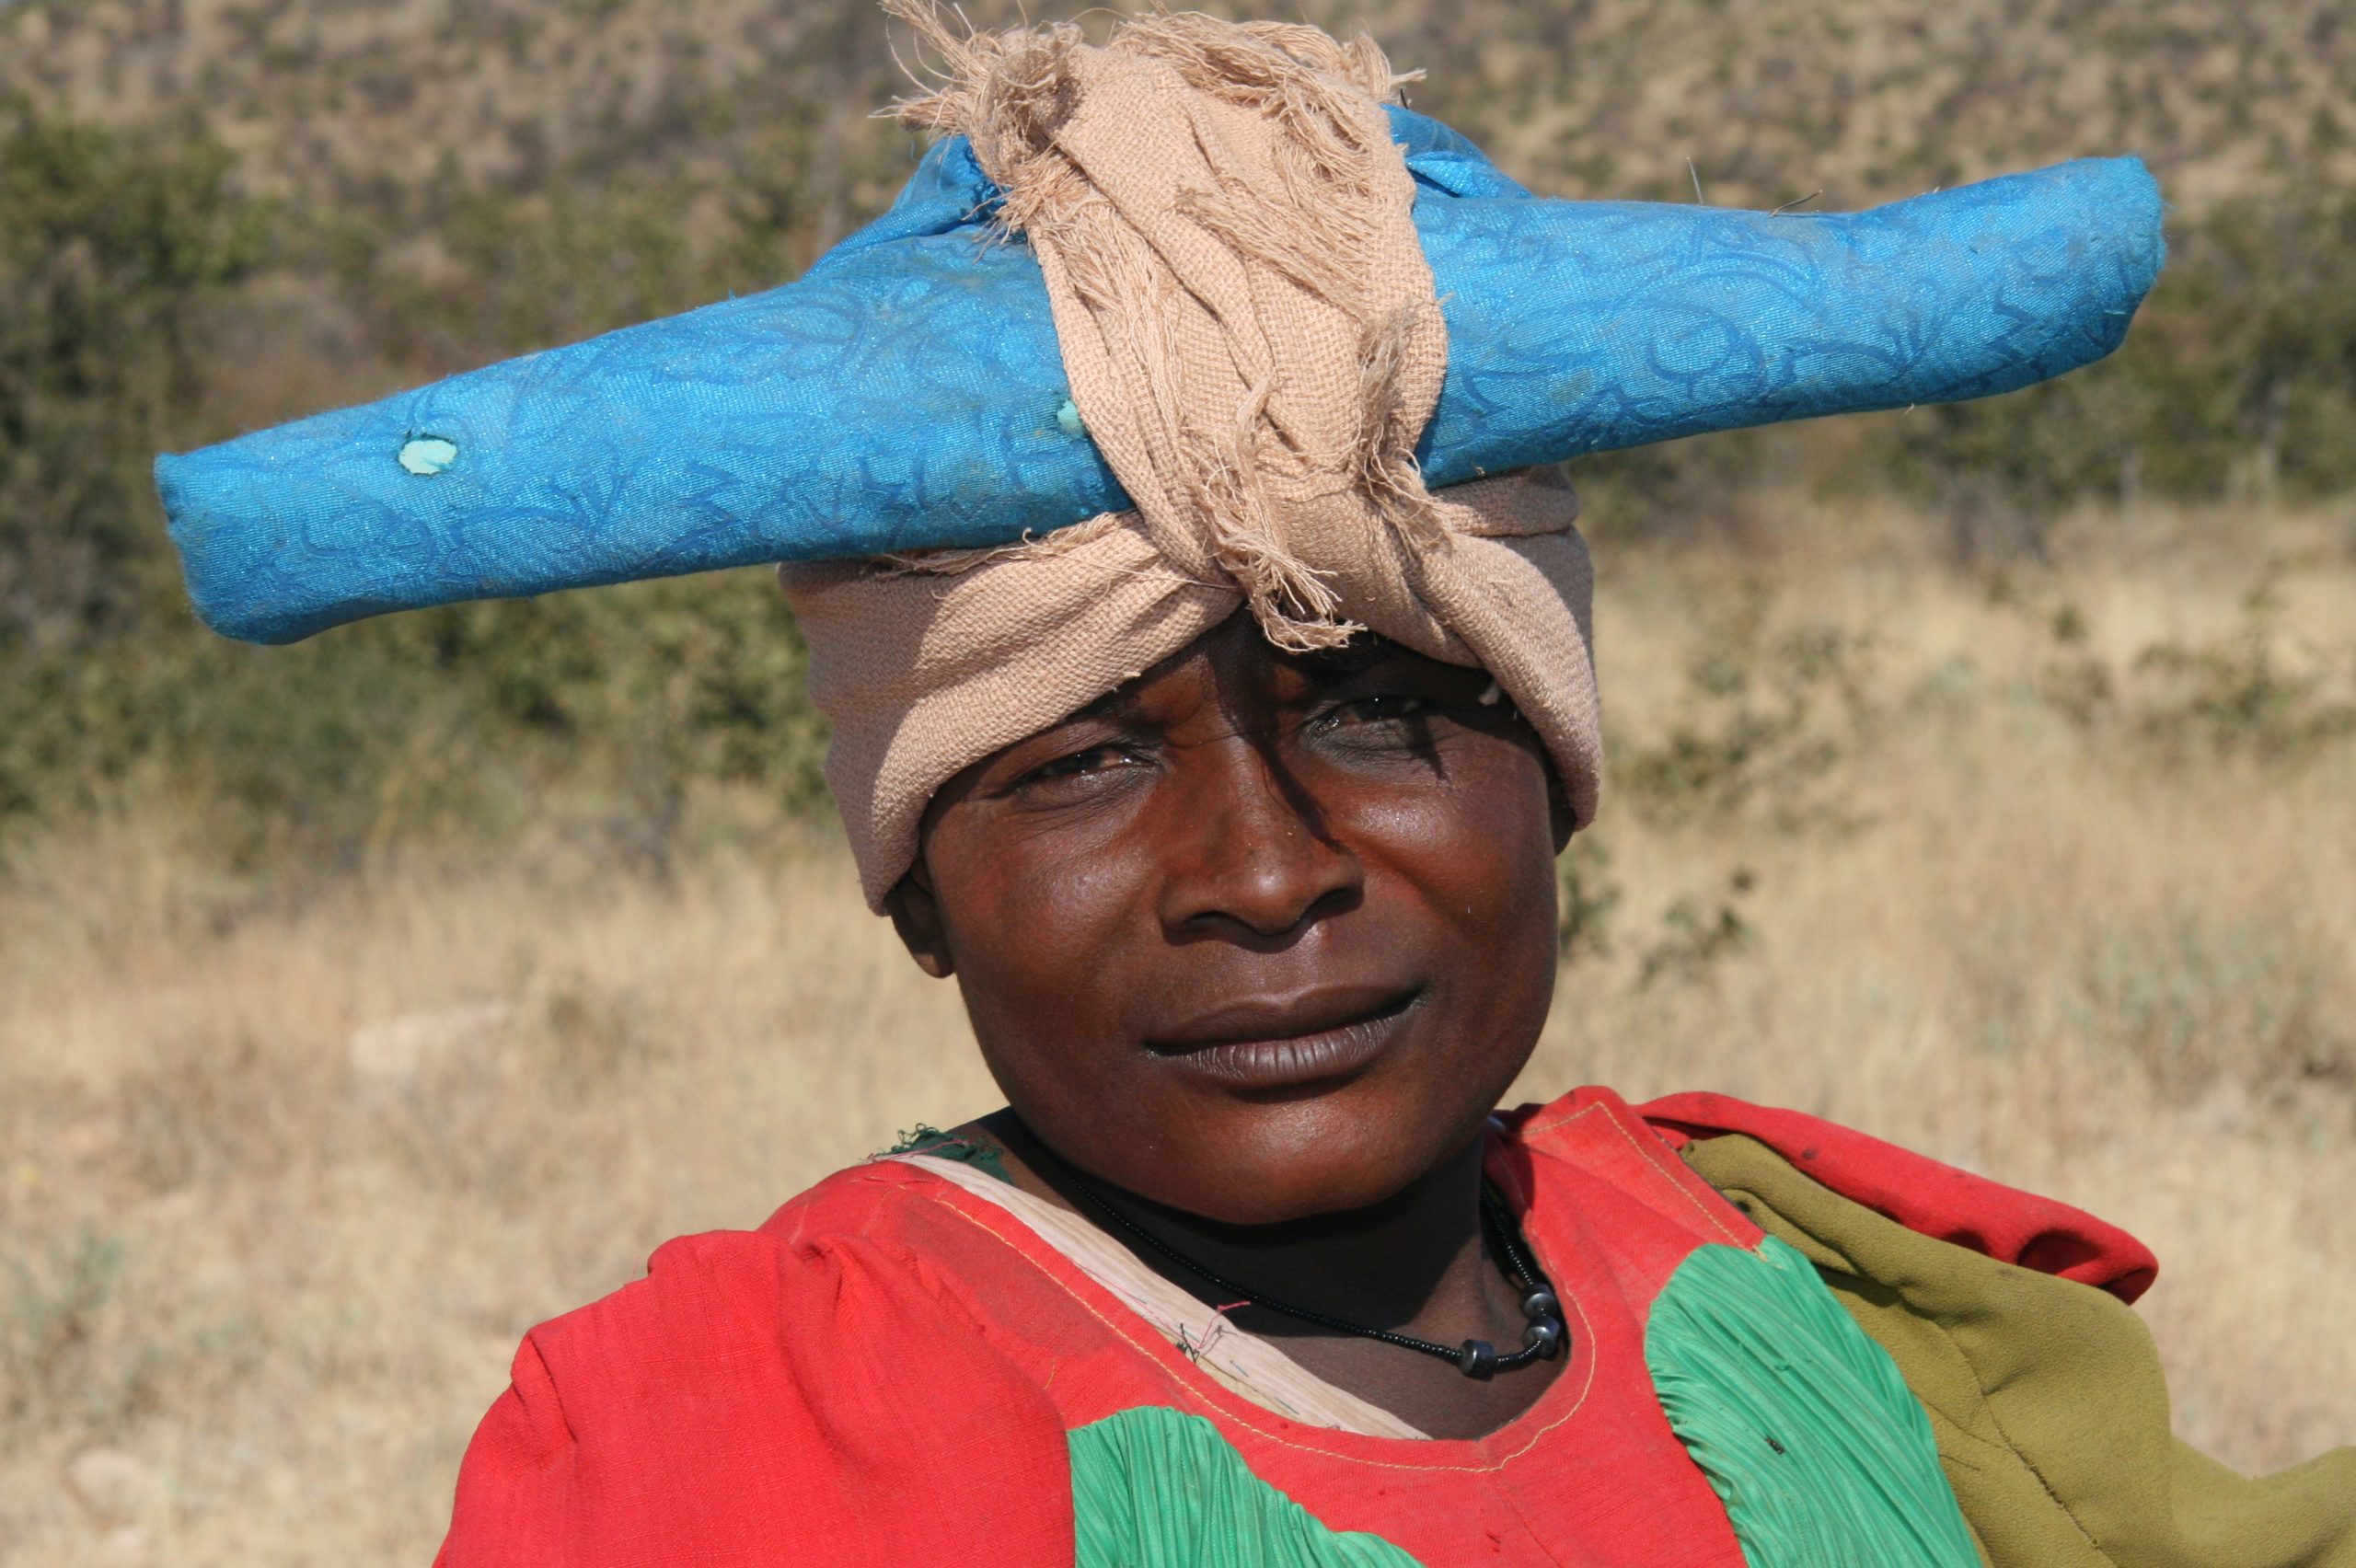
(426, 455)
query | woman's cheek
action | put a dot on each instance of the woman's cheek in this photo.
(1474, 852)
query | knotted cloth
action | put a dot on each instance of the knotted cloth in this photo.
(1253, 340)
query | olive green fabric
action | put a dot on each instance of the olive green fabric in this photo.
(1805, 1428)
(2045, 1396)
(1156, 1488)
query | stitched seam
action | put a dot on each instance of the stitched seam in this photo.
(1681, 1190)
(1987, 1403)
(1244, 1416)
(1531, 1129)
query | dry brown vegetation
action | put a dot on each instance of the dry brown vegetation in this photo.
(1956, 858)
(363, 1003)
(1770, 98)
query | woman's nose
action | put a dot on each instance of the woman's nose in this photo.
(1248, 852)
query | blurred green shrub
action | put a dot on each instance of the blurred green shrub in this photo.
(1587, 896)
(2194, 997)
(1697, 935)
(54, 1298)
(1767, 717)
(108, 258)
(2244, 693)
(2251, 690)
(113, 256)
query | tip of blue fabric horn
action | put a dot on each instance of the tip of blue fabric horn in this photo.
(1579, 327)
(909, 394)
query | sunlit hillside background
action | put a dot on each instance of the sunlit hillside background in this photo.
(1982, 777)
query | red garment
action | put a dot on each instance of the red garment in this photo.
(884, 1373)
(1989, 1217)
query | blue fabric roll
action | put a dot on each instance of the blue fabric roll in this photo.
(907, 392)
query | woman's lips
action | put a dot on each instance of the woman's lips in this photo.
(1290, 1042)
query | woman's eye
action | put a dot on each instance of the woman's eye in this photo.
(1095, 759)
(1389, 707)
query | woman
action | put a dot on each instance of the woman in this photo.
(1230, 799)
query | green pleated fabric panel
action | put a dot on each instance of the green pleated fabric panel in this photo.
(1157, 1488)
(1811, 1438)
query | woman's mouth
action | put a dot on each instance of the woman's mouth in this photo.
(1292, 1043)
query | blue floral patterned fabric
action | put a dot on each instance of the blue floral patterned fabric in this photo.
(908, 392)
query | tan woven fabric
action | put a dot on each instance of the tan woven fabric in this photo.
(1249, 325)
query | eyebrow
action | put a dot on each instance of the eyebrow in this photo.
(1330, 666)
(1355, 657)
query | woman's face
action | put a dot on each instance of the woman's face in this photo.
(1260, 936)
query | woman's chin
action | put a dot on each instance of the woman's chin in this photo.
(1247, 1182)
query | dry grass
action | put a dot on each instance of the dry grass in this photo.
(262, 1261)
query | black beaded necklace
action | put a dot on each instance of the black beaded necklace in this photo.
(1544, 1340)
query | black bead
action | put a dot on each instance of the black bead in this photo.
(1540, 1304)
(1479, 1360)
(1546, 1336)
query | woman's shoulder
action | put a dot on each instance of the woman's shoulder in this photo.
(749, 1382)
(1927, 1197)
(851, 1247)
(2007, 1315)
(1715, 1133)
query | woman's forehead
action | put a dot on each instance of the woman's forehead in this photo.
(1236, 661)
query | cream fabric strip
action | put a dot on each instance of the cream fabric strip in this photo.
(1227, 234)
(1243, 1362)
(923, 674)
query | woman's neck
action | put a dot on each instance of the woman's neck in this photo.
(1415, 1264)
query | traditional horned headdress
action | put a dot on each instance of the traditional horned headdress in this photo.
(1197, 318)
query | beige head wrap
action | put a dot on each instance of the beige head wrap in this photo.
(1249, 325)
